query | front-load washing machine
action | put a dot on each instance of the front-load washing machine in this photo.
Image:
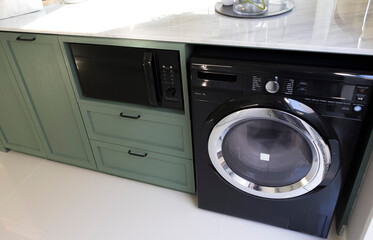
(273, 142)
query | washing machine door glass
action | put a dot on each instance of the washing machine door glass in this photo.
(268, 153)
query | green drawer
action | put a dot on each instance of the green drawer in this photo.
(146, 130)
(158, 169)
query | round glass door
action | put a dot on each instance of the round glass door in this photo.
(268, 153)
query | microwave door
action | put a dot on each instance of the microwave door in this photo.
(113, 73)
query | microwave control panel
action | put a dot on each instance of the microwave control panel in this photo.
(170, 79)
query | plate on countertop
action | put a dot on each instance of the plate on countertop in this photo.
(273, 10)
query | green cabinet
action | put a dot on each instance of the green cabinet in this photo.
(154, 144)
(41, 74)
(2, 148)
(17, 130)
(43, 113)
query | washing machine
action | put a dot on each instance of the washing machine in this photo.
(274, 141)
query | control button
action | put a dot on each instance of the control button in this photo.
(272, 86)
(362, 89)
(357, 108)
(360, 97)
(303, 84)
(171, 92)
(345, 108)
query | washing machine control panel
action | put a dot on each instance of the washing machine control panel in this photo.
(334, 92)
(330, 94)
(270, 83)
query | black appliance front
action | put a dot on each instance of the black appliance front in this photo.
(274, 142)
(127, 74)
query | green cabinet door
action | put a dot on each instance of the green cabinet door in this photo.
(40, 71)
(17, 131)
(2, 148)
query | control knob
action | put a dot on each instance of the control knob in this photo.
(171, 92)
(272, 86)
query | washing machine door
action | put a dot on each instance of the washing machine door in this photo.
(268, 153)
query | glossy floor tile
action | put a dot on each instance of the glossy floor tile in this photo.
(142, 211)
(45, 200)
(14, 169)
(61, 200)
(14, 231)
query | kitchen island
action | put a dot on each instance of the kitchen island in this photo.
(323, 26)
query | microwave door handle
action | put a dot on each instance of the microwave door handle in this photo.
(149, 74)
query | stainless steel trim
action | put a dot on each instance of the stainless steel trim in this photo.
(320, 153)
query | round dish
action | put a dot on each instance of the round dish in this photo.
(273, 10)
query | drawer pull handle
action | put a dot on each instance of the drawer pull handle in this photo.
(26, 39)
(136, 154)
(127, 116)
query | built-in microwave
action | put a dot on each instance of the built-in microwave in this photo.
(127, 74)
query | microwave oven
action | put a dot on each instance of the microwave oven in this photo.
(126, 74)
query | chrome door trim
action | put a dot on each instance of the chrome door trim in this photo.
(320, 153)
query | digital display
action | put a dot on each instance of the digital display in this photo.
(327, 90)
(347, 92)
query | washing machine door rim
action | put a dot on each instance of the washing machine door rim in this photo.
(321, 157)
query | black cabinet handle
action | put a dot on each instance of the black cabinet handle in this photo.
(26, 39)
(136, 154)
(127, 116)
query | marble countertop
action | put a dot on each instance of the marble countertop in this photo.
(338, 26)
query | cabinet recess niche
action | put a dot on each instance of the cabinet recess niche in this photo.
(145, 143)
(41, 76)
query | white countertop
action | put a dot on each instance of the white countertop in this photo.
(339, 26)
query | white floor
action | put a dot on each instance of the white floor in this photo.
(45, 200)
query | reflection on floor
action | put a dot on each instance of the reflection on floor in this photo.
(45, 200)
